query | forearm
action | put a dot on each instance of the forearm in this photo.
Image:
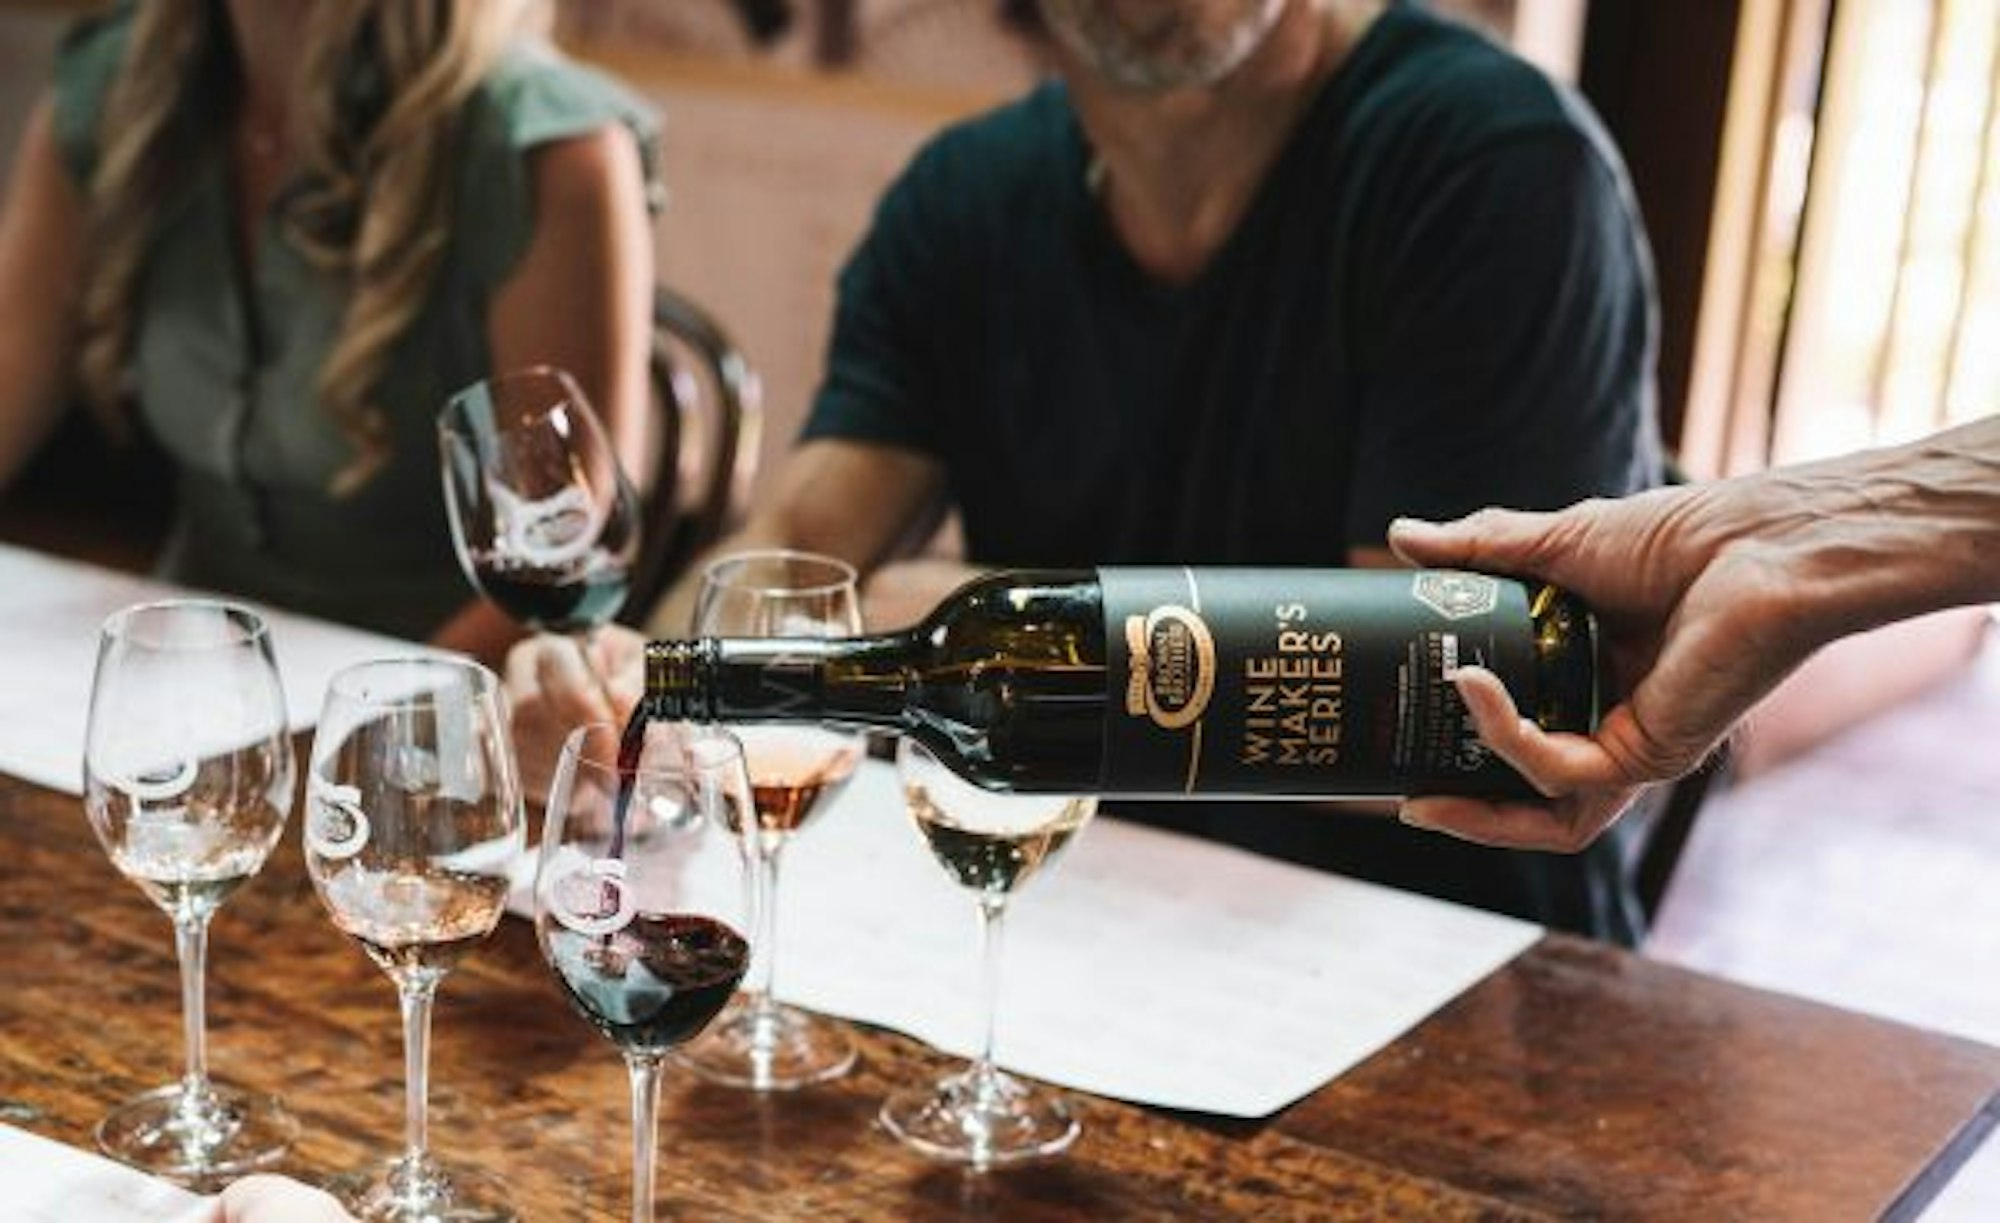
(1880, 535)
(41, 260)
(32, 396)
(856, 501)
(673, 615)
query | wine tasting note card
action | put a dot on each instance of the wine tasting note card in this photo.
(1141, 965)
(47, 1182)
(50, 613)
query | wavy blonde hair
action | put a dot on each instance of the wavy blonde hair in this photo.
(383, 86)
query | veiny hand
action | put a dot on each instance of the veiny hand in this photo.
(1696, 619)
(552, 693)
(278, 1199)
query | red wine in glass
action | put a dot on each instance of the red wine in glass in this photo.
(543, 518)
(641, 921)
(573, 597)
(653, 985)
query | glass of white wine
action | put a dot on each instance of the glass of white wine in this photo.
(188, 776)
(795, 771)
(990, 844)
(413, 817)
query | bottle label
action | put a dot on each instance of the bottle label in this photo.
(1329, 682)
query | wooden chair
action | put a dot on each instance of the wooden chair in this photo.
(708, 425)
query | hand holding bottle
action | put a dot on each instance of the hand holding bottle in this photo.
(1709, 595)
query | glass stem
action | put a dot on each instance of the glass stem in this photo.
(191, 945)
(992, 908)
(416, 991)
(764, 905)
(645, 1073)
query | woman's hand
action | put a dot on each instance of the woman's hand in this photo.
(277, 1199)
(552, 692)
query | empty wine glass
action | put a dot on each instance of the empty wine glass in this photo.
(991, 844)
(545, 522)
(794, 770)
(639, 896)
(413, 816)
(188, 776)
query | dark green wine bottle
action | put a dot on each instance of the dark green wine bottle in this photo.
(1172, 681)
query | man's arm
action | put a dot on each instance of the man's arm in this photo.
(858, 501)
(1708, 597)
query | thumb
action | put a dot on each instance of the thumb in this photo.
(1498, 541)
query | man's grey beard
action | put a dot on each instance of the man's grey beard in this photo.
(1110, 49)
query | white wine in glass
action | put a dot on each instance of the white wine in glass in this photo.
(991, 844)
(188, 777)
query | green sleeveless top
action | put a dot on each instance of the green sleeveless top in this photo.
(225, 357)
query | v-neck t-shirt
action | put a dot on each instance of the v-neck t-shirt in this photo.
(1439, 298)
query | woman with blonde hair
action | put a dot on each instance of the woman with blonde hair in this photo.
(280, 233)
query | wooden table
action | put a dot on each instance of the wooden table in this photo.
(1576, 1081)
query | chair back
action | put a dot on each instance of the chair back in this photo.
(708, 423)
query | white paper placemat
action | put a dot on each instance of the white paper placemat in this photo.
(50, 613)
(1145, 965)
(42, 1181)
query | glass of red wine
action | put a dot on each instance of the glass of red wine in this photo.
(188, 777)
(794, 771)
(990, 844)
(413, 818)
(639, 896)
(545, 522)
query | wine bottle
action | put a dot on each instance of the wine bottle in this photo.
(1172, 681)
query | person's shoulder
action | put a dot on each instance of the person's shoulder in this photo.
(533, 94)
(97, 40)
(1002, 150)
(533, 97)
(88, 60)
(1437, 84)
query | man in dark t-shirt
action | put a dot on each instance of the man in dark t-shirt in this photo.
(1251, 279)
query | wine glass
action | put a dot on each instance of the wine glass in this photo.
(188, 776)
(794, 769)
(413, 816)
(991, 844)
(639, 896)
(544, 520)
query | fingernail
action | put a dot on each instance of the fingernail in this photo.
(1408, 814)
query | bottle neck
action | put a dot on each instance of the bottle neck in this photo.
(852, 679)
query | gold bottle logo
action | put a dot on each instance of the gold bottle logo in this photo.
(1173, 666)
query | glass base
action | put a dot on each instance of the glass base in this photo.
(981, 1119)
(198, 1139)
(429, 1192)
(782, 1049)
